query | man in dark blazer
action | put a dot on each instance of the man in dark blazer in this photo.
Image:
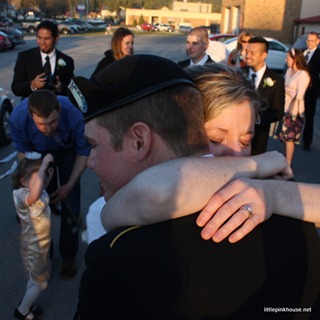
(196, 47)
(165, 270)
(30, 73)
(270, 86)
(312, 54)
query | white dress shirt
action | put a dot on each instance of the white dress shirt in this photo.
(52, 57)
(259, 75)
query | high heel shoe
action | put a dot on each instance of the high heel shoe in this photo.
(19, 315)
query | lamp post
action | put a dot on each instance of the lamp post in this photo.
(87, 8)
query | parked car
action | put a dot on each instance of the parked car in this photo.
(222, 37)
(301, 43)
(66, 27)
(30, 26)
(6, 22)
(164, 27)
(15, 35)
(276, 59)
(147, 27)
(97, 23)
(184, 29)
(71, 22)
(85, 26)
(6, 104)
(5, 42)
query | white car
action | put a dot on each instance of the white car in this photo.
(163, 27)
(276, 59)
(6, 104)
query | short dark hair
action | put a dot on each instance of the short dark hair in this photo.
(42, 103)
(174, 113)
(49, 25)
(260, 40)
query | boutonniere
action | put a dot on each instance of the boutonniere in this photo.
(268, 82)
(61, 63)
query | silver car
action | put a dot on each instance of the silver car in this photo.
(6, 104)
(163, 27)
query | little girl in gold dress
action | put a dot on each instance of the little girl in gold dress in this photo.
(32, 207)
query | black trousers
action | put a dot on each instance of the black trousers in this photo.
(70, 208)
(260, 139)
(310, 101)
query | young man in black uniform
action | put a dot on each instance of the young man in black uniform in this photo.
(136, 119)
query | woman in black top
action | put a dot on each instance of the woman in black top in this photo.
(121, 47)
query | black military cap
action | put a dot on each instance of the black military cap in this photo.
(123, 82)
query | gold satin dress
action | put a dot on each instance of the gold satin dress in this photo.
(35, 238)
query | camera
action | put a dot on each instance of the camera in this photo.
(50, 82)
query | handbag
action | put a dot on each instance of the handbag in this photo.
(292, 125)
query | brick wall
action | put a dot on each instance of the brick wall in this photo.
(270, 18)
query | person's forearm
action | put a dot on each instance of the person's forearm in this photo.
(295, 200)
(37, 186)
(180, 187)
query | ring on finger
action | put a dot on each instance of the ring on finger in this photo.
(248, 209)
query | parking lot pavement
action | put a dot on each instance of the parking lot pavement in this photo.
(59, 300)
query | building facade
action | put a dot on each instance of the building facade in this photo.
(270, 18)
(182, 13)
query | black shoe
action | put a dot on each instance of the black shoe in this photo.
(19, 315)
(68, 269)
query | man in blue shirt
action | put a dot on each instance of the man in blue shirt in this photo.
(47, 123)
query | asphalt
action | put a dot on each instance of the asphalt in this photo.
(60, 299)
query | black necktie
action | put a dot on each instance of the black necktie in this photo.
(47, 66)
(253, 77)
(307, 56)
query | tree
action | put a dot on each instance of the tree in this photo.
(141, 20)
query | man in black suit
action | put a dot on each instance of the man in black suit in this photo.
(165, 270)
(270, 86)
(43, 67)
(312, 54)
(197, 45)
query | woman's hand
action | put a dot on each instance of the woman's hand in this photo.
(223, 216)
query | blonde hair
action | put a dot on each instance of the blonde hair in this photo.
(222, 87)
(241, 36)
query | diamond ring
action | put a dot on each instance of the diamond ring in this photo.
(248, 209)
